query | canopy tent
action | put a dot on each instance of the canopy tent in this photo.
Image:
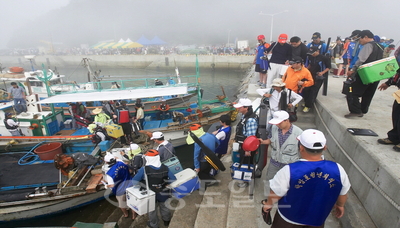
(157, 41)
(116, 94)
(126, 45)
(100, 45)
(128, 40)
(109, 45)
(144, 41)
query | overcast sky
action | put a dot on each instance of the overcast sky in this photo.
(190, 21)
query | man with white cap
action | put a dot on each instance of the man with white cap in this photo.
(282, 139)
(278, 98)
(158, 176)
(165, 149)
(246, 127)
(118, 179)
(307, 190)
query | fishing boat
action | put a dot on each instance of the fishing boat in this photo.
(31, 189)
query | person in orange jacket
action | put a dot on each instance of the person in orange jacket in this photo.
(297, 76)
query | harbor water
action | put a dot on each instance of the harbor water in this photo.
(211, 82)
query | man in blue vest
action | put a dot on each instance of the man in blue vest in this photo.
(307, 190)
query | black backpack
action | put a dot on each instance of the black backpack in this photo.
(136, 163)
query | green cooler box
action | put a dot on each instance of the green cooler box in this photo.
(378, 70)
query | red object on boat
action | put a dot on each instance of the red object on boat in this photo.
(251, 143)
(16, 69)
(49, 150)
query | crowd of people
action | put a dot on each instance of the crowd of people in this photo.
(303, 184)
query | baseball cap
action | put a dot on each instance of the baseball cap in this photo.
(134, 146)
(151, 153)
(312, 139)
(316, 35)
(243, 102)
(367, 33)
(282, 38)
(355, 33)
(157, 135)
(278, 117)
(312, 49)
(296, 59)
(194, 127)
(260, 37)
(383, 38)
(108, 157)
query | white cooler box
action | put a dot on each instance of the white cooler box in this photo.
(186, 182)
(140, 201)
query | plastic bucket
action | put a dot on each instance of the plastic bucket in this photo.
(49, 150)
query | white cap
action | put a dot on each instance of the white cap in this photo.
(278, 117)
(157, 135)
(312, 139)
(108, 157)
(243, 102)
(134, 146)
(383, 38)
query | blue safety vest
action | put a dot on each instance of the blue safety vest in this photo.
(314, 189)
(122, 179)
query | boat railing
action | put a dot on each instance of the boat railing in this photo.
(123, 84)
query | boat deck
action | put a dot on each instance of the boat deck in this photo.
(13, 177)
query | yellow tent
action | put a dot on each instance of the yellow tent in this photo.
(126, 45)
(131, 45)
(109, 45)
(99, 45)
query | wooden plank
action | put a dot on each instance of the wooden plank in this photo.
(93, 182)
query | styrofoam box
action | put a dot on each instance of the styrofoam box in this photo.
(140, 201)
(186, 182)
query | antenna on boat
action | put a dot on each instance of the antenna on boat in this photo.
(30, 58)
(92, 74)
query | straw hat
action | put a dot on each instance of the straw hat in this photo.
(97, 111)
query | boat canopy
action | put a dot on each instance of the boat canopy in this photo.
(106, 95)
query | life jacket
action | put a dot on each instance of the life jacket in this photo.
(242, 124)
(9, 127)
(82, 112)
(97, 139)
(157, 178)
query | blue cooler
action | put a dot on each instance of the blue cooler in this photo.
(173, 164)
(186, 182)
(243, 173)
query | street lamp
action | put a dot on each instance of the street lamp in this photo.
(272, 20)
(229, 35)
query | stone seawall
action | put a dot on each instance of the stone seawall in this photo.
(136, 61)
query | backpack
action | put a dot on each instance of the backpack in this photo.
(136, 163)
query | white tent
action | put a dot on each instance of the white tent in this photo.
(128, 40)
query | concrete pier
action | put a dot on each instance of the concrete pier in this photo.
(136, 61)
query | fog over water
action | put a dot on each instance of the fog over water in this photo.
(68, 23)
